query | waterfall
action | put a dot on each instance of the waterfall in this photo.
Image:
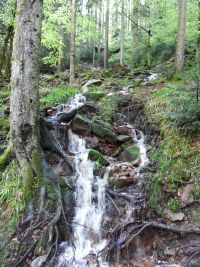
(90, 203)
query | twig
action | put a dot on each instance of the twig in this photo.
(26, 254)
(191, 257)
(56, 246)
(114, 204)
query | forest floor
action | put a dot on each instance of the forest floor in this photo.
(170, 187)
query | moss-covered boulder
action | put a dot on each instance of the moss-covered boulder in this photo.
(130, 154)
(123, 138)
(81, 125)
(104, 131)
(95, 155)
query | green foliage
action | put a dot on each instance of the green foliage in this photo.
(108, 106)
(185, 104)
(4, 124)
(174, 205)
(95, 93)
(59, 95)
(95, 155)
(11, 191)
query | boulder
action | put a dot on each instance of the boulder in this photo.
(122, 175)
(118, 68)
(123, 138)
(174, 217)
(124, 130)
(104, 131)
(81, 125)
(90, 83)
(95, 155)
(186, 196)
(130, 154)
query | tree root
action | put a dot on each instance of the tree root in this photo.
(26, 254)
(126, 237)
(197, 253)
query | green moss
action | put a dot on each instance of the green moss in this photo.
(28, 181)
(6, 157)
(95, 155)
(131, 153)
(59, 95)
(174, 205)
(37, 166)
(95, 93)
(4, 124)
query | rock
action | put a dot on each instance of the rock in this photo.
(102, 130)
(91, 83)
(118, 68)
(95, 155)
(123, 138)
(38, 262)
(124, 130)
(187, 197)
(131, 153)
(174, 217)
(123, 174)
(136, 163)
(92, 142)
(81, 125)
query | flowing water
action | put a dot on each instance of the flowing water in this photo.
(90, 199)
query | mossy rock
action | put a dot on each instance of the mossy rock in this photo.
(123, 138)
(95, 95)
(95, 155)
(102, 130)
(81, 125)
(131, 153)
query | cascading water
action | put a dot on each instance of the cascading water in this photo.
(90, 198)
(90, 203)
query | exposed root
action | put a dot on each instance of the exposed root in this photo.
(26, 254)
(195, 254)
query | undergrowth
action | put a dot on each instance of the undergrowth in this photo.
(59, 95)
(177, 157)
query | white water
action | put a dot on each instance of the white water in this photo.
(90, 203)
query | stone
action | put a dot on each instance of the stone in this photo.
(124, 130)
(122, 175)
(123, 138)
(102, 130)
(130, 154)
(95, 155)
(118, 68)
(91, 82)
(38, 262)
(186, 196)
(81, 125)
(174, 217)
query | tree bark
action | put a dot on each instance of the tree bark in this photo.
(198, 40)
(122, 35)
(106, 36)
(24, 117)
(180, 49)
(72, 46)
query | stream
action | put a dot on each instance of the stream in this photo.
(90, 196)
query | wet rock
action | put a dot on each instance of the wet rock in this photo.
(81, 125)
(130, 154)
(118, 68)
(123, 138)
(122, 175)
(103, 130)
(92, 142)
(95, 155)
(124, 130)
(174, 217)
(187, 197)
(38, 262)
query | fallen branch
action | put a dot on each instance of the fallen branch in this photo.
(197, 253)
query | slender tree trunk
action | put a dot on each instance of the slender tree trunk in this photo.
(122, 35)
(62, 63)
(72, 46)
(106, 36)
(198, 40)
(180, 49)
(24, 102)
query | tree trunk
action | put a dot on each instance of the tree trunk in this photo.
(106, 36)
(198, 41)
(122, 35)
(24, 102)
(180, 49)
(62, 63)
(72, 46)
